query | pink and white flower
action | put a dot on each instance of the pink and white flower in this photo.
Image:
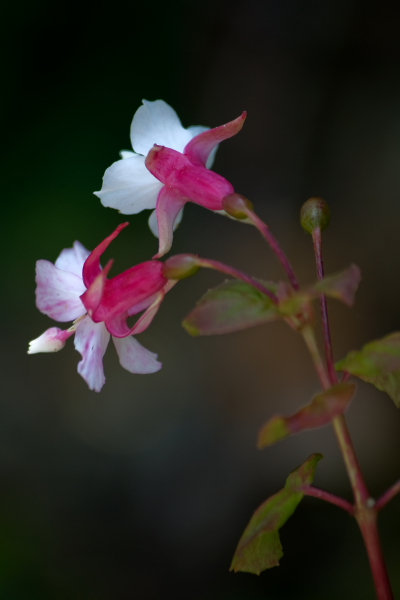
(76, 289)
(169, 167)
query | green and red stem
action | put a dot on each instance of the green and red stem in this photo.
(365, 509)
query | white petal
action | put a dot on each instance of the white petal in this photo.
(129, 187)
(157, 123)
(195, 130)
(126, 154)
(58, 291)
(91, 340)
(51, 340)
(134, 357)
(153, 223)
(72, 259)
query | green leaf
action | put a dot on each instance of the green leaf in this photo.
(341, 286)
(318, 413)
(231, 306)
(378, 362)
(259, 547)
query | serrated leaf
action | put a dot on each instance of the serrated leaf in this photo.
(341, 286)
(323, 408)
(378, 362)
(231, 306)
(259, 547)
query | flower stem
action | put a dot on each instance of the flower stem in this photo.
(388, 495)
(365, 514)
(365, 510)
(228, 270)
(361, 494)
(367, 521)
(317, 239)
(275, 246)
(310, 490)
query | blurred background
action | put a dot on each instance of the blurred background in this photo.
(142, 491)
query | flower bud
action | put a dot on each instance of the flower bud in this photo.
(181, 266)
(314, 213)
(237, 206)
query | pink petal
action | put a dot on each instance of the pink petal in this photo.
(134, 357)
(51, 340)
(200, 147)
(91, 340)
(57, 292)
(169, 205)
(92, 267)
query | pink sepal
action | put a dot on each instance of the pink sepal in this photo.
(92, 297)
(169, 204)
(127, 289)
(92, 267)
(118, 326)
(200, 147)
(109, 300)
(202, 186)
(195, 183)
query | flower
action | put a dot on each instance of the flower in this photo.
(177, 162)
(76, 289)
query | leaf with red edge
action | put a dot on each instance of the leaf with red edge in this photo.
(231, 306)
(319, 412)
(378, 362)
(341, 286)
(259, 547)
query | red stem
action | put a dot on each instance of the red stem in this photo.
(388, 495)
(317, 239)
(275, 246)
(365, 514)
(367, 521)
(310, 490)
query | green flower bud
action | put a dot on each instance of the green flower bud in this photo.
(314, 213)
(180, 266)
(236, 204)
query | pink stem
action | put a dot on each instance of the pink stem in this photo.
(367, 521)
(317, 239)
(388, 495)
(310, 490)
(274, 244)
(228, 270)
(365, 515)
(360, 490)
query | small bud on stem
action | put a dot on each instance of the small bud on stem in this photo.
(314, 213)
(181, 266)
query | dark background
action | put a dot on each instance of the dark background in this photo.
(143, 491)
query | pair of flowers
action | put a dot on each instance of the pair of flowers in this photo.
(163, 177)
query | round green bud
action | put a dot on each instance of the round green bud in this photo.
(237, 206)
(180, 266)
(314, 213)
